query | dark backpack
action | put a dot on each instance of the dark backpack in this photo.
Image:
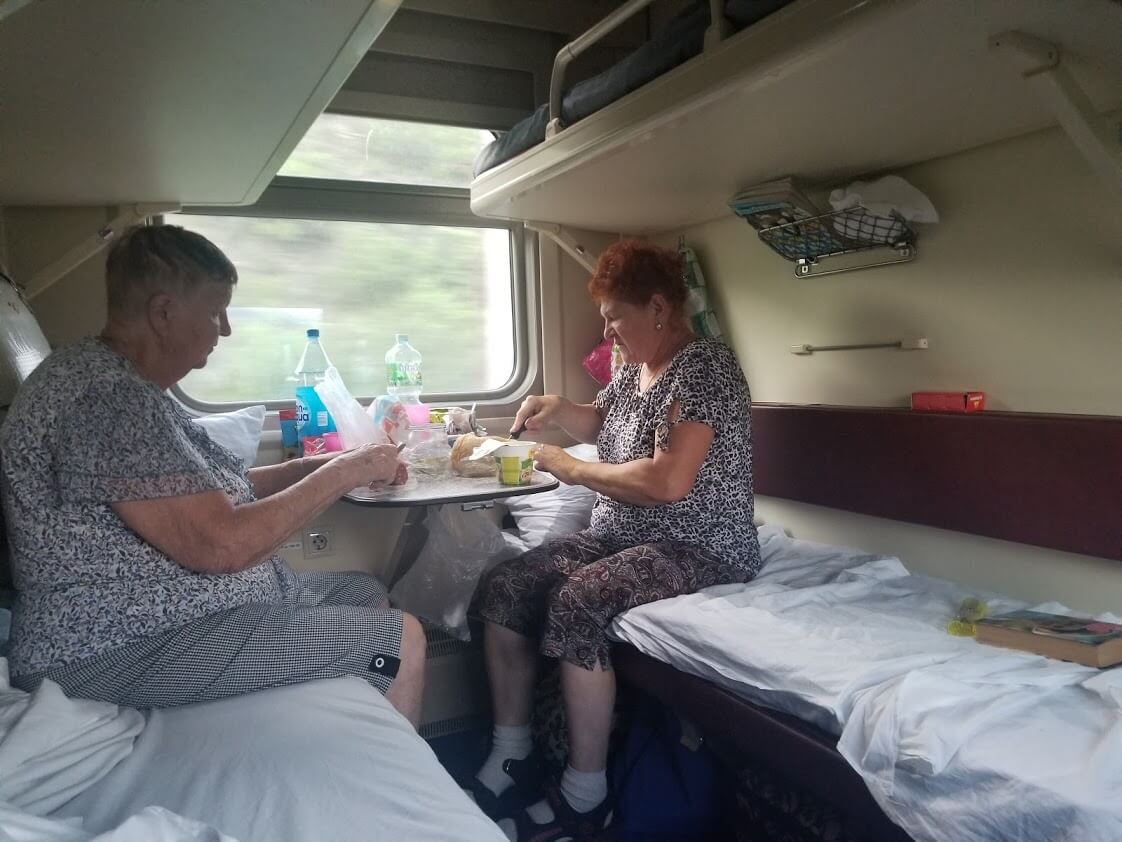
(667, 789)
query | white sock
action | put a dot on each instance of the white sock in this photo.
(508, 742)
(583, 791)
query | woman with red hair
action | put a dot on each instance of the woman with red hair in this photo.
(673, 513)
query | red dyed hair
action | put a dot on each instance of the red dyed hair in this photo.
(634, 271)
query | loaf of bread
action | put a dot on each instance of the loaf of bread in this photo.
(464, 467)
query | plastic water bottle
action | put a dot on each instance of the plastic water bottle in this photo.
(313, 420)
(617, 359)
(403, 378)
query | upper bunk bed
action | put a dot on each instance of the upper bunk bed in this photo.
(824, 90)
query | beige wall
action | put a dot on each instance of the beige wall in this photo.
(35, 237)
(3, 242)
(1019, 290)
(571, 323)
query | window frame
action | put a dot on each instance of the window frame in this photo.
(337, 200)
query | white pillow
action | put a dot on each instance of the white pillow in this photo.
(553, 514)
(238, 431)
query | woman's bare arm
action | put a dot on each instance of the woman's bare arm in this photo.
(209, 534)
(666, 477)
(269, 479)
(582, 421)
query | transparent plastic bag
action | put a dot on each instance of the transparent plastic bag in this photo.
(428, 453)
(461, 547)
(389, 416)
(352, 422)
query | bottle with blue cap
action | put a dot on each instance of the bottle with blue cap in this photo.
(312, 418)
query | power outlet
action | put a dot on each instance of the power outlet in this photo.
(318, 542)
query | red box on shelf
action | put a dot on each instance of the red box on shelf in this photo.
(948, 401)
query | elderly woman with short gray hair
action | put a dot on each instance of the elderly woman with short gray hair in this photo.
(143, 553)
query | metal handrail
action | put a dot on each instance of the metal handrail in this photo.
(718, 29)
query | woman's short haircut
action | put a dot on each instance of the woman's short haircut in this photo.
(148, 260)
(634, 271)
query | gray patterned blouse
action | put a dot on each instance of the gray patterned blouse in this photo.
(717, 514)
(87, 430)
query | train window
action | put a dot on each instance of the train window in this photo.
(351, 148)
(363, 261)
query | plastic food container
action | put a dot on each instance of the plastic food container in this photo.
(515, 463)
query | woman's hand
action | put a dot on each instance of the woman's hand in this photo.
(555, 460)
(376, 465)
(538, 412)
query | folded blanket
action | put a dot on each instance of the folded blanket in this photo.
(52, 748)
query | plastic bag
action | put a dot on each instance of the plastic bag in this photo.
(598, 363)
(428, 453)
(461, 547)
(351, 420)
(390, 417)
(703, 320)
(457, 421)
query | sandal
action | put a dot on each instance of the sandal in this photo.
(567, 823)
(528, 776)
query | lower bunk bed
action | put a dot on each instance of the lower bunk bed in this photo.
(327, 760)
(831, 673)
(790, 781)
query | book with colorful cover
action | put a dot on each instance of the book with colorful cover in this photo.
(1080, 639)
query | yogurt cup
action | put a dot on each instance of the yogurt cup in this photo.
(514, 463)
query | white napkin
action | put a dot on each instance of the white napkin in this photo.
(486, 449)
(885, 196)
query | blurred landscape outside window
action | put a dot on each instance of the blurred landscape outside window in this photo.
(449, 288)
(387, 151)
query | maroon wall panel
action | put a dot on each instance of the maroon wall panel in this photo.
(1050, 480)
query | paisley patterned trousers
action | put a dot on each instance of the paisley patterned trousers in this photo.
(567, 591)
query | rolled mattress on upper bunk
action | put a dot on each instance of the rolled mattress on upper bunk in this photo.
(955, 740)
(679, 40)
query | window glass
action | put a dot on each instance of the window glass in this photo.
(448, 288)
(389, 151)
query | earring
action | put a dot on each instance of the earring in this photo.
(658, 325)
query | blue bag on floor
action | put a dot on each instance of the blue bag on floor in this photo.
(665, 790)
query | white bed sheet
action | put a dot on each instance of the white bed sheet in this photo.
(957, 741)
(152, 824)
(319, 761)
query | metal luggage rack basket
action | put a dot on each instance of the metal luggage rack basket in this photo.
(815, 238)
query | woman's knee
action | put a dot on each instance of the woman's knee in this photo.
(500, 577)
(578, 610)
(583, 594)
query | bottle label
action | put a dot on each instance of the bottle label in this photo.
(403, 374)
(312, 417)
(302, 415)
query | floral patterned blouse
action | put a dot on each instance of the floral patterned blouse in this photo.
(705, 379)
(86, 430)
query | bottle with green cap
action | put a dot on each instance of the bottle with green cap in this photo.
(403, 378)
(617, 359)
